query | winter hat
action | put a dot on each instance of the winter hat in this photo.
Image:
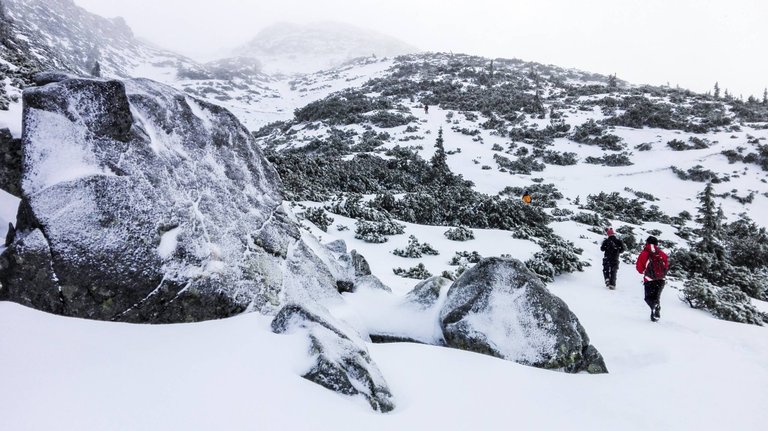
(652, 240)
(610, 232)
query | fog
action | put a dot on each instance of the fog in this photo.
(690, 43)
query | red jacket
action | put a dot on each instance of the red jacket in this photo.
(642, 260)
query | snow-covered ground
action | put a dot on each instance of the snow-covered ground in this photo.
(687, 372)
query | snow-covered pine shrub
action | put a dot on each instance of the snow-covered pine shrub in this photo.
(344, 107)
(523, 165)
(699, 174)
(415, 249)
(353, 207)
(543, 269)
(375, 231)
(559, 159)
(464, 257)
(758, 158)
(561, 212)
(418, 272)
(583, 132)
(685, 263)
(641, 195)
(645, 146)
(465, 131)
(460, 233)
(677, 145)
(628, 238)
(319, 218)
(614, 206)
(556, 257)
(698, 143)
(387, 119)
(497, 147)
(621, 159)
(726, 302)
(590, 219)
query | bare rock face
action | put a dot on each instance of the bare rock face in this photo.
(10, 163)
(146, 205)
(500, 308)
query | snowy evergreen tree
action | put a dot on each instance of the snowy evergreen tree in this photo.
(612, 81)
(439, 164)
(717, 90)
(711, 220)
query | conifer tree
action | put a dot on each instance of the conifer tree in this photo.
(717, 90)
(612, 81)
(765, 96)
(439, 162)
(711, 220)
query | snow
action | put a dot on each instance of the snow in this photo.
(11, 118)
(168, 243)
(9, 205)
(59, 149)
(697, 373)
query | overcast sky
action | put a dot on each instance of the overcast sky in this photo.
(691, 43)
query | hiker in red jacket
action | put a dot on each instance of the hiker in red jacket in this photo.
(653, 264)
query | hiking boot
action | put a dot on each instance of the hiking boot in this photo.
(657, 311)
(612, 287)
(653, 316)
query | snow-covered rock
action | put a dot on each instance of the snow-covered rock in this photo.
(147, 205)
(426, 293)
(500, 308)
(341, 362)
(370, 282)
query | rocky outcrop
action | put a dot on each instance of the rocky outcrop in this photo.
(341, 362)
(427, 292)
(10, 163)
(369, 282)
(500, 308)
(146, 205)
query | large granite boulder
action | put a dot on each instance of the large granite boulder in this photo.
(142, 204)
(341, 362)
(500, 308)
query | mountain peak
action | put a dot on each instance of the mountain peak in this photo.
(304, 48)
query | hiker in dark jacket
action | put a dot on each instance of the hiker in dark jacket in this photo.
(653, 264)
(612, 247)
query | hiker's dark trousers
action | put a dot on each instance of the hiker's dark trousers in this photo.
(610, 267)
(653, 290)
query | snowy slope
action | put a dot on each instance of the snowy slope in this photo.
(688, 372)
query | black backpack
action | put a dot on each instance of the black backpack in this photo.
(656, 268)
(613, 247)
